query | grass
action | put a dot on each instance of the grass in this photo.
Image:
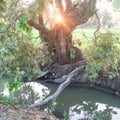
(79, 35)
(89, 33)
(86, 35)
(35, 37)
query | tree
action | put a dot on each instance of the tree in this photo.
(15, 42)
(58, 35)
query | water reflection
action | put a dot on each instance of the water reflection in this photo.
(3, 89)
(92, 111)
(87, 104)
(28, 93)
(78, 103)
(31, 92)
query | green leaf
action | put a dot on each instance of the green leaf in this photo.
(22, 25)
(1, 24)
(23, 19)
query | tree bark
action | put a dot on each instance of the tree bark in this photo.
(59, 38)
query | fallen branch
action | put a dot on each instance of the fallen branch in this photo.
(62, 86)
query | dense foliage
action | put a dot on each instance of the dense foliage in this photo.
(104, 55)
(17, 51)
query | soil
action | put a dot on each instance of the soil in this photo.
(23, 113)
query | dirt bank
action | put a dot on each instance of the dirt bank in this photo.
(23, 113)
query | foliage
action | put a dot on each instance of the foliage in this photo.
(53, 105)
(5, 99)
(35, 8)
(25, 95)
(104, 55)
(17, 52)
(65, 115)
(2, 8)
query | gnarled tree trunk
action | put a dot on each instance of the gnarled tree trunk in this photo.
(59, 38)
(59, 42)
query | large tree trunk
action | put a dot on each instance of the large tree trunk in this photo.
(59, 42)
(59, 38)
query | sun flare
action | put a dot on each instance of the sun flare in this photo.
(58, 18)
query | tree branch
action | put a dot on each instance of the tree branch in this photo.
(99, 24)
(61, 87)
(35, 25)
(68, 5)
(80, 13)
(60, 6)
(44, 32)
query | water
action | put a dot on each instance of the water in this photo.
(77, 103)
(89, 104)
(84, 103)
